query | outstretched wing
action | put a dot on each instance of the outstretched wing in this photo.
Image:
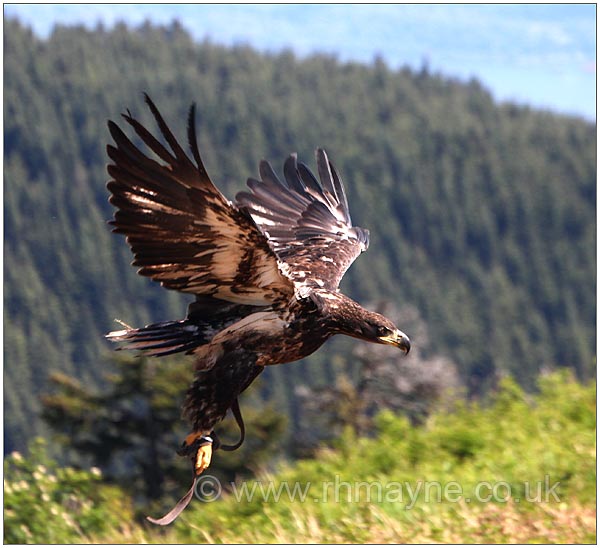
(308, 223)
(183, 232)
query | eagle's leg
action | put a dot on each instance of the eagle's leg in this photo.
(198, 446)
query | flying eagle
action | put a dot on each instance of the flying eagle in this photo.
(264, 269)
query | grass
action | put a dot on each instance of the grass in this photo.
(488, 524)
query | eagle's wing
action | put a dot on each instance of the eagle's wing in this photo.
(183, 232)
(308, 224)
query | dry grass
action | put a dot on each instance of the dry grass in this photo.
(457, 524)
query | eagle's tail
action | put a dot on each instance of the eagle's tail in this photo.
(160, 339)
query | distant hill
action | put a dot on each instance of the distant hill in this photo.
(482, 215)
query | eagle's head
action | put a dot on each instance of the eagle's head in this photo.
(374, 327)
(350, 318)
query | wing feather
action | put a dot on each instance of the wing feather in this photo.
(307, 222)
(182, 231)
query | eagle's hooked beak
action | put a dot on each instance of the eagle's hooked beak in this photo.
(399, 339)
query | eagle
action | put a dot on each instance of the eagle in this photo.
(264, 269)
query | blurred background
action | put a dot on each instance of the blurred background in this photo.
(466, 137)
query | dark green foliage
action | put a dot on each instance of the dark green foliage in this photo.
(482, 215)
(132, 428)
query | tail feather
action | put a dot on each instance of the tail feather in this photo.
(161, 339)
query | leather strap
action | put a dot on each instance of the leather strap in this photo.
(172, 515)
(237, 414)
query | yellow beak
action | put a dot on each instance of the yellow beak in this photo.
(397, 339)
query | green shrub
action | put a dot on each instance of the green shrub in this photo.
(48, 504)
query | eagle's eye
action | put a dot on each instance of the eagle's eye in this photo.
(382, 331)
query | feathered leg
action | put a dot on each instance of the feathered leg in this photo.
(213, 392)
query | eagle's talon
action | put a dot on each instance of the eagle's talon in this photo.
(203, 457)
(199, 448)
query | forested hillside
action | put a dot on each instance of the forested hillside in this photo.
(482, 215)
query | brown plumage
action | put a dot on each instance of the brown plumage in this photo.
(264, 270)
